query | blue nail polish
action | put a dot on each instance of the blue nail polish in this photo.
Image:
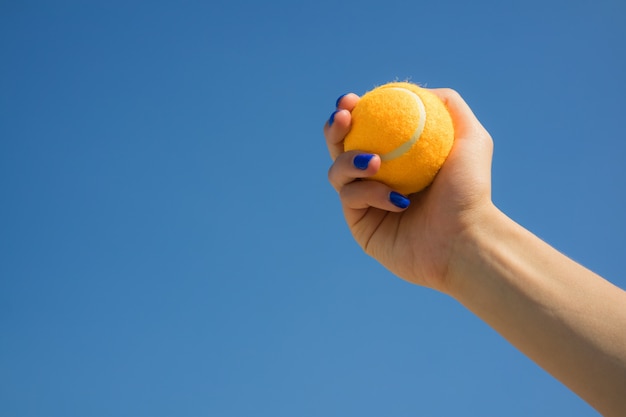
(362, 161)
(339, 99)
(331, 120)
(399, 200)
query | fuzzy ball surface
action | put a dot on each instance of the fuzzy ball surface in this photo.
(411, 130)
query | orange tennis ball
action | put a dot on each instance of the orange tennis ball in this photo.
(409, 128)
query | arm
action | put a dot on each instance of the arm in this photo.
(453, 239)
(567, 319)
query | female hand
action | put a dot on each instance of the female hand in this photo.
(452, 238)
(414, 242)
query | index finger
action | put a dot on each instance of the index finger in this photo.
(338, 125)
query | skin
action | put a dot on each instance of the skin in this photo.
(453, 239)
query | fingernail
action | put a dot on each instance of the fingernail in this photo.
(331, 119)
(362, 161)
(399, 200)
(339, 99)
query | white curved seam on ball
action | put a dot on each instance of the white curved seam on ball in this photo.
(402, 149)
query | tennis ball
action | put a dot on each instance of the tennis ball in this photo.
(409, 128)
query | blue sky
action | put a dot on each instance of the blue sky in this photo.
(170, 246)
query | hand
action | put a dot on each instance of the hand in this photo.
(452, 238)
(415, 242)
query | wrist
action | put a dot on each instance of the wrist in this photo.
(468, 251)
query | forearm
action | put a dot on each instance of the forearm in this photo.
(567, 319)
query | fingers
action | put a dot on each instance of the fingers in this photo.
(345, 175)
(365, 194)
(347, 101)
(350, 166)
(335, 130)
(338, 124)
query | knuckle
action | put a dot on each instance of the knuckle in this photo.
(451, 93)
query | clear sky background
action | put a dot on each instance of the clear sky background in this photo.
(170, 246)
